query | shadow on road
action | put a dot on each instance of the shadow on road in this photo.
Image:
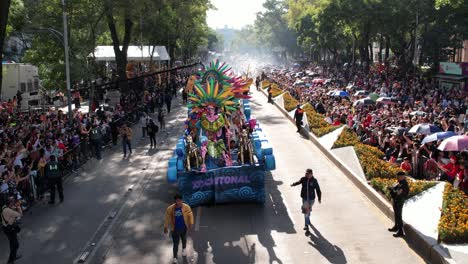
(331, 252)
(230, 233)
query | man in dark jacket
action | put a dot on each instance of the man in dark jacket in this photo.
(53, 175)
(310, 187)
(399, 192)
(168, 100)
(96, 139)
(298, 115)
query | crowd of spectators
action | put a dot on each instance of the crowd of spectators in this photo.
(410, 100)
(29, 139)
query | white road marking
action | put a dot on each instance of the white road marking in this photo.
(197, 220)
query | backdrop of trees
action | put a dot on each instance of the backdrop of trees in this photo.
(346, 30)
(179, 25)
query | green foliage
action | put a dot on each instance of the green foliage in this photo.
(270, 32)
(179, 25)
(345, 26)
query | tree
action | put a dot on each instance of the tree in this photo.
(125, 7)
(4, 10)
(215, 41)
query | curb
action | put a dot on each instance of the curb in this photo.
(428, 250)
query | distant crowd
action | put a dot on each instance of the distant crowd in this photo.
(397, 105)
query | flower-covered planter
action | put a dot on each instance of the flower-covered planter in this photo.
(416, 186)
(453, 224)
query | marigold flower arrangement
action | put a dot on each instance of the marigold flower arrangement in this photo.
(416, 186)
(265, 84)
(290, 103)
(453, 224)
(318, 125)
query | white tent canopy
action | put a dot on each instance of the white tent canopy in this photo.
(134, 53)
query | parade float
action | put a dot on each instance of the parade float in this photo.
(223, 155)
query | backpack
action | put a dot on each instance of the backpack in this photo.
(95, 134)
(153, 128)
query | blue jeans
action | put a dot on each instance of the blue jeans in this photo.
(306, 212)
(125, 143)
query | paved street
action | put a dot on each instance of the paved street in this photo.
(347, 228)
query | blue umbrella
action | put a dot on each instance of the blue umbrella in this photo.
(425, 129)
(341, 93)
(438, 136)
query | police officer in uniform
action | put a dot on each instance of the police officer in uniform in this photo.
(96, 139)
(53, 176)
(399, 192)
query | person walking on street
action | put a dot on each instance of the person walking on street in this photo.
(96, 139)
(144, 120)
(257, 83)
(114, 130)
(10, 214)
(168, 100)
(399, 192)
(126, 134)
(54, 178)
(152, 130)
(179, 218)
(298, 115)
(162, 119)
(184, 96)
(309, 187)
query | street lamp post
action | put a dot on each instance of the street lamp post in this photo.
(67, 62)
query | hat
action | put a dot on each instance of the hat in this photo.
(401, 173)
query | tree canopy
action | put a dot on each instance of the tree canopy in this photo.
(178, 25)
(405, 31)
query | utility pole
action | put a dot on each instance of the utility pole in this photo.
(67, 62)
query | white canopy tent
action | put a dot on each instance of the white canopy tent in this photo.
(134, 53)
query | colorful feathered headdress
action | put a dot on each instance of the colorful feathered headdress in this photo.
(211, 95)
(217, 73)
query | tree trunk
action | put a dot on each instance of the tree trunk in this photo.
(4, 10)
(381, 47)
(120, 55)
(387, 50)
(371, 53)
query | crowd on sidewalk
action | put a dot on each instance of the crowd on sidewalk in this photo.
(400, 115)
(29, 139)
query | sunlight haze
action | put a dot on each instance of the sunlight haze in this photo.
(234, 14)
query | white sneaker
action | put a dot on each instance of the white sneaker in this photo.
(175, 260)
(184, 252)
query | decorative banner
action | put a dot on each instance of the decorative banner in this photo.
(223, 185)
